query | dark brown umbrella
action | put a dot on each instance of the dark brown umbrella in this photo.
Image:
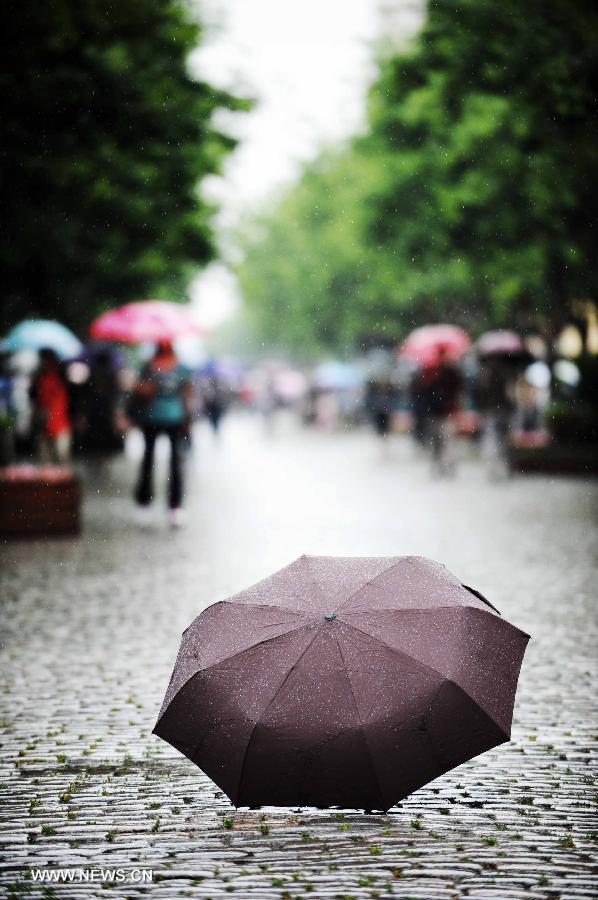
(342, 682)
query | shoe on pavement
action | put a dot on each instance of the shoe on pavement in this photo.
(177, 518)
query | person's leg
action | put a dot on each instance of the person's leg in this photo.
(62, 445)
(44, 448)
(448, 459)
(175, 481)
(502, 443)
(435, 442)
(144, 491)
(442, 448)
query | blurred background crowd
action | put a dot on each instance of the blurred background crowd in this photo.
(422, 264)
(63, 399)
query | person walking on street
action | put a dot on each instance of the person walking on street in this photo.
(213, 402)
(102, 436)
(380, 402)
(420, 405)
(444, 385)
(163, 393)
(496, 401)
(50, 399)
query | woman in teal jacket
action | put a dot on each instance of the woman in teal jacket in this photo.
(164, 391)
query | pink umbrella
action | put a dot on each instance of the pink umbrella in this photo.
(425, 345)
(499, 343)
(146, 320)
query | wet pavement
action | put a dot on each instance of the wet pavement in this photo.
(91, 627)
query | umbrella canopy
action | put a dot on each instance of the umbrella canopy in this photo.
(426, 345)
(35, 334)
(145, 320)
(342, 682)
(334, 375)
(500, 343)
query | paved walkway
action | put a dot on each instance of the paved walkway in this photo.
(91, 628)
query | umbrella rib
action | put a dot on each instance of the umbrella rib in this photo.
(305, 559)
(265, 640)
(361, 726)
(222, 659)
(424, 665)
(402, 653)
(412, 609)
(291, 609)
(270, 702)
(269, 578)
(375, 578)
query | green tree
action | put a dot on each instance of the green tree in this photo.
(489, 130)
(305, 265)
(471, 196)
(105, 138)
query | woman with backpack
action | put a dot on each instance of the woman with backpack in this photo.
(163, 395)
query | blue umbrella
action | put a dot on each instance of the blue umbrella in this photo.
(335, 375)
(33, 334)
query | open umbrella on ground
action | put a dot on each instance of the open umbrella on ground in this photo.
(35, 334)
(342, 682)
(426, 345)
(145, 320)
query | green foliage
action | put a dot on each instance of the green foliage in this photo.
(492, 109)
(305, 258)
(105, 137)
(471, 197)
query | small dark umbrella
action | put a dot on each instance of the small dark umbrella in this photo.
(342, 682)
(504, 345)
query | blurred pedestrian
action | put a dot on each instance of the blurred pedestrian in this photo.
(529, 404)
(163, 394)
(327, 409)
(496, 402)
(444, 385)
(7, 411)
(380, 401)
(103, 437)
(50, 402)
(420, 405)
(213, 402)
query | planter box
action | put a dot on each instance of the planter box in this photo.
(556, 459)
(39, 500)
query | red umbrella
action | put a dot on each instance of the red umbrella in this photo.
(500, 343)
(342, 682)
(426, 345)
(146, 320)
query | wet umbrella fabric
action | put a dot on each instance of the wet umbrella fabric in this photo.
(342, 682)
(145, 321)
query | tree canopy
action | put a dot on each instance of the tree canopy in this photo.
(471, 196)
(105, 138)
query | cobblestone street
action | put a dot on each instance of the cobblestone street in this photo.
(91, 627)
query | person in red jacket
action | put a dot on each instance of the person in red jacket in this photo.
(49, 395)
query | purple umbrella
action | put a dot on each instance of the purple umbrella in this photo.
(342, 682)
